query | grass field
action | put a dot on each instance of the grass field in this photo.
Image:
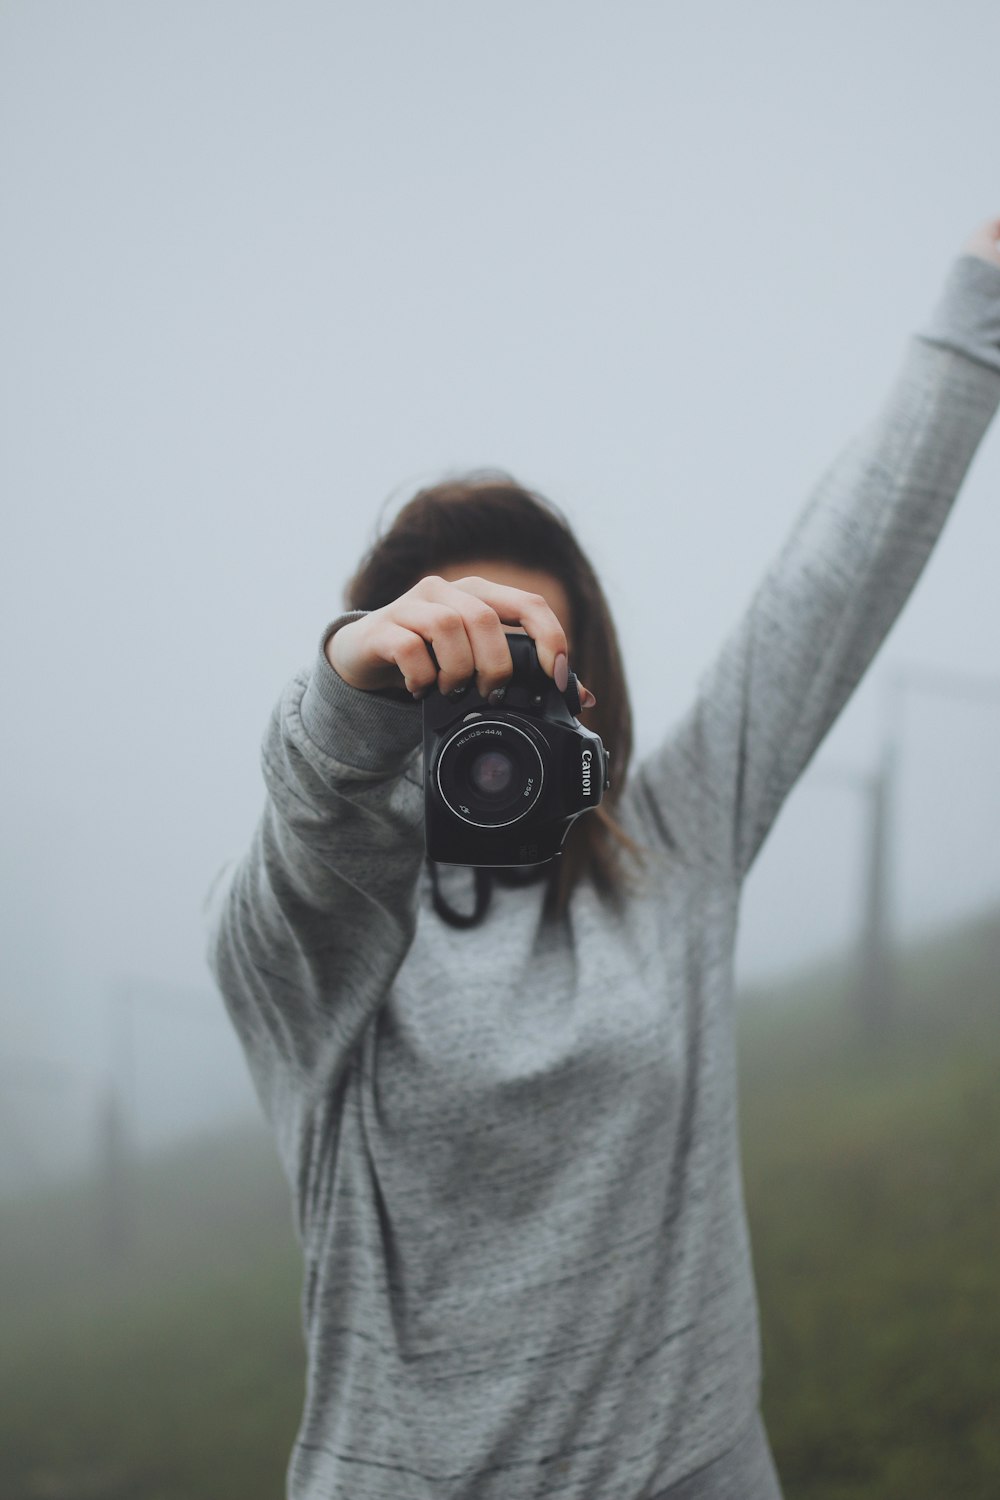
(873, 1190)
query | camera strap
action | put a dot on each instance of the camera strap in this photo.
(484, 890)
(486, 877)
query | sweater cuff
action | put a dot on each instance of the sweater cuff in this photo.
(370, 731)
(966, 316)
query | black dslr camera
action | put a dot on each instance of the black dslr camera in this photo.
(503, 786)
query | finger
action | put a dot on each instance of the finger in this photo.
(435, 647)
(518, 607)
(406, 640)
(462, 637)
(491, 659)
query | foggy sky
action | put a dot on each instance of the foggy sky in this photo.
(268, 267)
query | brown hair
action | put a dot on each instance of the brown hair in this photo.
(484, 513)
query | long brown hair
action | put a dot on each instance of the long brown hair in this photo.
(484, 513)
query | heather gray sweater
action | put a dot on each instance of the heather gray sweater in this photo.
(512, 1149)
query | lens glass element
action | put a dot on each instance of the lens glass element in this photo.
(490, 773)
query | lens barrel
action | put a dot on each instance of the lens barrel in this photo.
(490, 773)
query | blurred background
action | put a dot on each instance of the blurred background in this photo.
(266, 269)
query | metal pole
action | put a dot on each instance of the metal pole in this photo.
(876, 998)
(117, 1132)
(115, 1235)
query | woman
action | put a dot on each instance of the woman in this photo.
(506, 1101)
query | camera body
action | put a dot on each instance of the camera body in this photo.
(503, 785)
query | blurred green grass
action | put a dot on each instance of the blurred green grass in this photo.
(873, 1192)
(175, 1372)
(872, 1179)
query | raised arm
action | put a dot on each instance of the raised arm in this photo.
(714, 787)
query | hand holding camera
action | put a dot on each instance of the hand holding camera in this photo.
(502, 784)
(462, 623)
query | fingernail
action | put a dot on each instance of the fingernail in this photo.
(497, 695)
(561, 672)
(587, 699)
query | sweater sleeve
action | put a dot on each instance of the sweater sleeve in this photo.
(714, 786)
(306, 930)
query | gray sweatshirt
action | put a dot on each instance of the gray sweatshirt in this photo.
(512, 1149)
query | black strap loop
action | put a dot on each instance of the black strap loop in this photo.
(486, 877)
(484, 890)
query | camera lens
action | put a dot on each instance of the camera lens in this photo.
(490, 773)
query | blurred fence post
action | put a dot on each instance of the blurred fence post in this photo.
(877, 998)
(874, 975)
(876, 992)
(117, 1133)
(115, 1187)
